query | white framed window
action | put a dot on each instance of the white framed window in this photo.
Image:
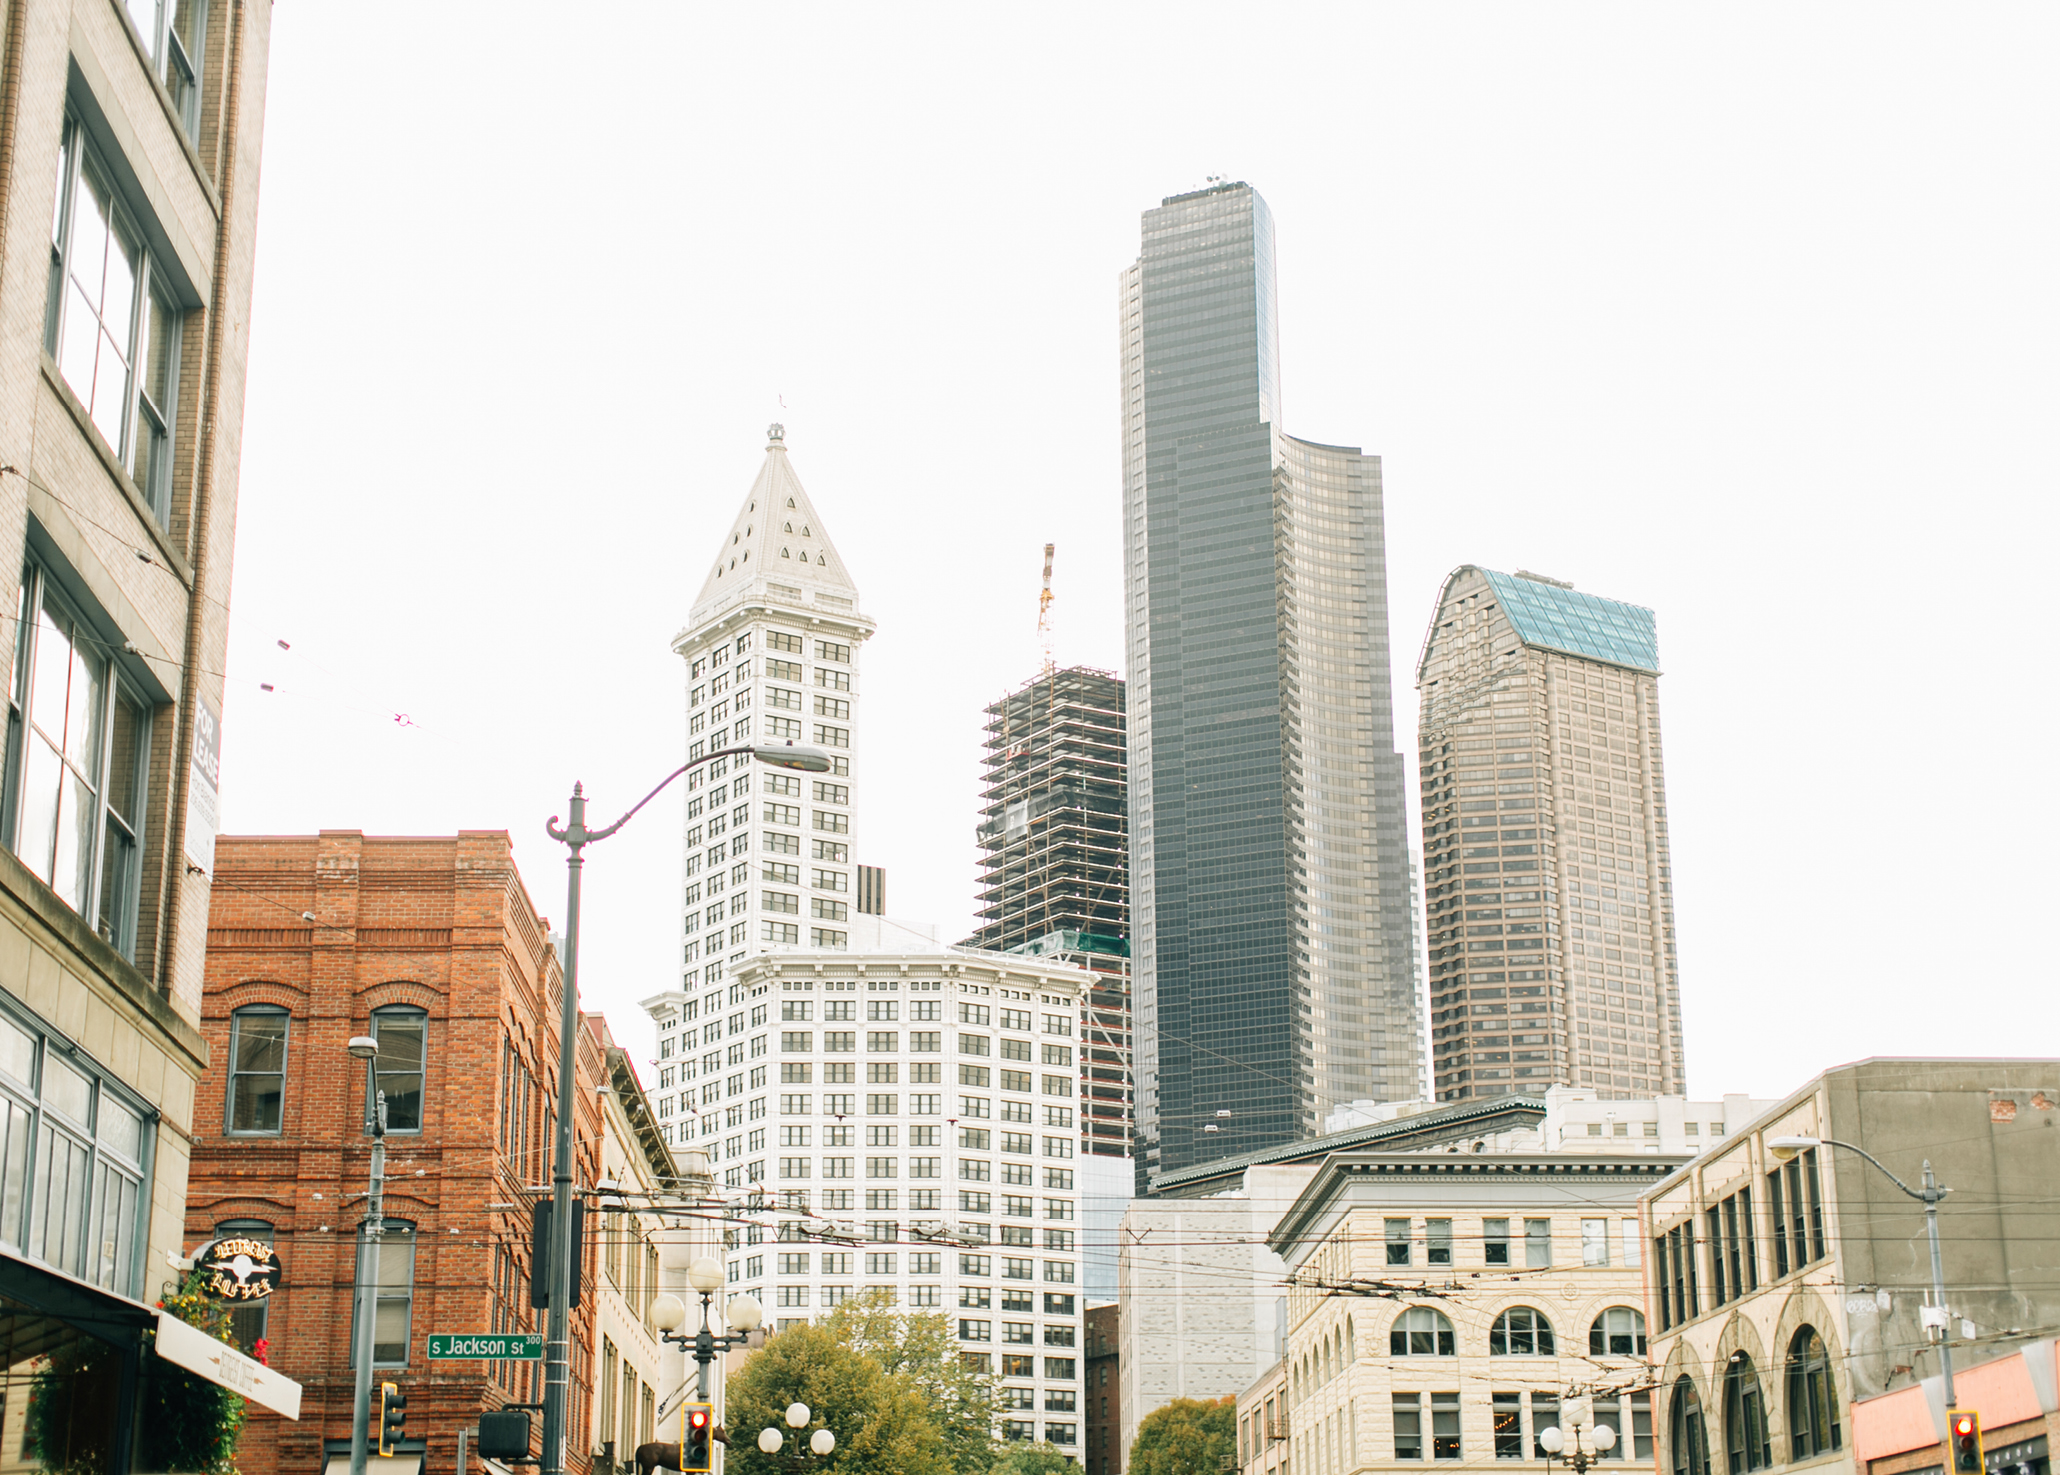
(78, 762)
(112, 319)
(173, 32)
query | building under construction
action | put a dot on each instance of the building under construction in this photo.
(1055, 866)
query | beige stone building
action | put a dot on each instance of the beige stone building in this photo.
(1548, 891)
(1790, 1283)
(129, 152)
(1443, 1309)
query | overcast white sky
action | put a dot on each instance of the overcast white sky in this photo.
(1745, 313)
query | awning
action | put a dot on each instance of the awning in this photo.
(218, 1362)
(400, 1464)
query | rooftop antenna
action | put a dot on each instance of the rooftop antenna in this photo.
(1044, 613)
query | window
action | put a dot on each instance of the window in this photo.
(1618, 1332)
(1059, 1369)
(1674, 1273)
(1745, 1417)
(1686, 1434)
(1520, 1332)
(402, 1032)
(1795, 1205)
(1595, 1241)
(78, 750)
(172, 32)
(1437, 1235)
(1538, 1244)
(1509, 1426)
(111, 321)
(1421, 1331)
(1408, 1426)
(1495, 1241)
(1397, 1232)
(394, 1300)
(1734, 1268)
(1444, 1426)
(257, 1068)
(1812, 1397)
(1637, 1443)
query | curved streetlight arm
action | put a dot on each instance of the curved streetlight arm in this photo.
(1922, 1195)
(587, 837)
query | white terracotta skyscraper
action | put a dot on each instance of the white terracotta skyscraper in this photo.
(771, 651)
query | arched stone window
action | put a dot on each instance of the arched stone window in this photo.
(1421, 1331)
(1351, 1343)
(1687, 1438)
(1618, 1332)
(1520, 1332)
(1812, 1397)
(1745, 1417)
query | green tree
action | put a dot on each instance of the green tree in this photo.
(1189, 1436)
(920, 1346)
(1035, 1459)
(879, 1418)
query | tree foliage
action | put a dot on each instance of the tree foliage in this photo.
(921, 1347)
(1034, 1459)
(1189, 1436)
(880, 1420)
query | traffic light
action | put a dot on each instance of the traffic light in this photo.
(1965, 1424)
(694, 1439)
(393, 1416)
(504, 1435)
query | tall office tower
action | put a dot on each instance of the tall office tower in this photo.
(133, 137)
(1055, 867)
(771, 650)
(1274, 950)
(1550, 897)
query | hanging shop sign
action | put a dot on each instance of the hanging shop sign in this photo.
(239, 1269)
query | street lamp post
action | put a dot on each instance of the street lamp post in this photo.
(771, 1440)
(1929, 1195)
(1577, 1441)
(576, 835)
(370, 1236)
(705, 1275)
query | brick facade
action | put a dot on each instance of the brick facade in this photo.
(445, 925)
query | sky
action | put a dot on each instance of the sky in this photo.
(1747, 314)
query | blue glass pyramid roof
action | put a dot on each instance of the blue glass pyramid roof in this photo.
(1578, 624)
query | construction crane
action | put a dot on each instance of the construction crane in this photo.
(1044, 613)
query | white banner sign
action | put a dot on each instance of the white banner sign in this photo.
(218, 1362)
(203, 791)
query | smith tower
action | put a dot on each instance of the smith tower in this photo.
(1274, 946)
(771, 654)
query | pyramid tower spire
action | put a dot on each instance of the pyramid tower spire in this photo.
(777, 546)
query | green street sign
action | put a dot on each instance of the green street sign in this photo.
(495, 1346)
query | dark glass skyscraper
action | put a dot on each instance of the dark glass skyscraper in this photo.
(1274, 946)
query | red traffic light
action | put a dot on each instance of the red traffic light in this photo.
(699, 1417)
(1963, 1426)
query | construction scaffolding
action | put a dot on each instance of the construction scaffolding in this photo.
(1055, 866)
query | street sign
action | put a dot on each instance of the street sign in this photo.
(495, 1346)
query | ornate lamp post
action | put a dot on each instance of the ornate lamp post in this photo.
(771, 1441)
(705, 1275)
(1578, 1442)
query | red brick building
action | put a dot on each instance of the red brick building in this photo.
(433, 946)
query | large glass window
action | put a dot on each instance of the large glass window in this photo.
(1520, 1332)
(1690, 1447)
(1421, 1331)
(393, 1304)
(172, 32)
(71, 1164)
(78, 743)
(111, 321)
(1745, 1417)
(1618, 1332)
(402, 1033)
(1812, 1397)
(257, 1068)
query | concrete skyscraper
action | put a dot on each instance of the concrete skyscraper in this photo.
(1550, 897)
(1274, 942)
